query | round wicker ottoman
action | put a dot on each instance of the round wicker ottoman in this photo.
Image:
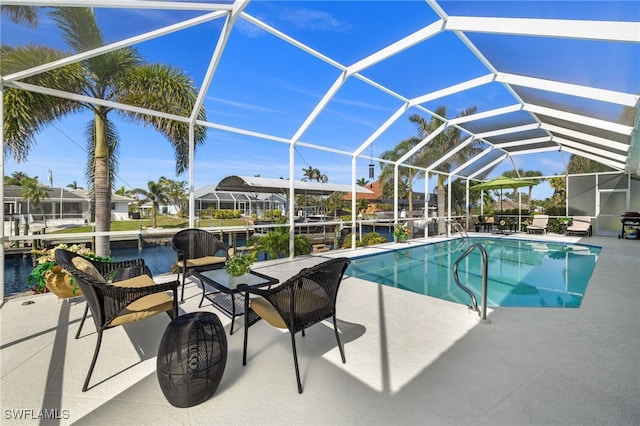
(191, 358)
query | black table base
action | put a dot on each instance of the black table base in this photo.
(191, 358)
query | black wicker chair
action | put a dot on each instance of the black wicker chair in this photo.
(198, 250)
(298, 303)
(132, 296)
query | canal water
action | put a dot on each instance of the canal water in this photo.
(159, 258)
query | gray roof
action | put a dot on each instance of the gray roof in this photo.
(15, 191)
(281, 186)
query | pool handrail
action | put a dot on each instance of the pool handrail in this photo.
(457, 227)
(482, 312)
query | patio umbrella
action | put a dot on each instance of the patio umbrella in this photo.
(502, 182)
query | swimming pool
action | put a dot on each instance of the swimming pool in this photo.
(521, 273)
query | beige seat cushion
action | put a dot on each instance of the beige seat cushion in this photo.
(267, 312)
(87, 267)
(203, 261)
(144, 307)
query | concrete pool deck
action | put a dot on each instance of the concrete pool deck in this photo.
(411, 359)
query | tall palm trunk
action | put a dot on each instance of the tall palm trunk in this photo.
(44, 216)
(154, 211)
(102, 185)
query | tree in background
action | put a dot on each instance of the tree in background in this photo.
(439, 147)
(156, 195)
(176, 194)
(34, 192)
(118, 76)
(407, 176)
(313, 174)
(362, 182)
(558, 184)
(578, 165)
(74, 185)
(523, 174)
(17, 178)
(336, 201)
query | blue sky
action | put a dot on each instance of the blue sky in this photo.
(268, 86)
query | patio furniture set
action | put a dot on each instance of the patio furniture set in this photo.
(193, 350)
(581, 225)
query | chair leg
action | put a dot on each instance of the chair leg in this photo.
(246, 328)
(174, 313)
(295, 360)
(93, 362)
(84, 317)
(335, 329)
(184, 274)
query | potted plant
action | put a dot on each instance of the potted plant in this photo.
(239, 264)
(48, 276)
(401, 233)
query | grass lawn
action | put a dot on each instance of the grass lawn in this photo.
(161, 222)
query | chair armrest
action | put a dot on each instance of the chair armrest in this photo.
(256, 290)
(117, 298)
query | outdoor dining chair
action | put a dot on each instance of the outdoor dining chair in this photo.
(132, 296)
(303, 300)
(198, 250)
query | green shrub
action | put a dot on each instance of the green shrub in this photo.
(373, 238)
(226, 214)
(368, 239)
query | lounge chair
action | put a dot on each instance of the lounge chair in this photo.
(198, 250)
(539, 224)
(298, 303)
(581, 226)
(132, 296)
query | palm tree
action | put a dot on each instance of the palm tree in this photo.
(176, 192)
(34, 192)
(119, 76)
(16, 178)
(362, 182)
(74, 185)
(440, 146)
(557, 183)
(523, 174)
(121, 191)
(406, 175)
(155, 193)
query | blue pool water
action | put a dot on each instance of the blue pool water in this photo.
(520, 273)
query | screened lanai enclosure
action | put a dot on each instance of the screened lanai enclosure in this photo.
(467, 90)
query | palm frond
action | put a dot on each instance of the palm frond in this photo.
(26, 113)
(79, 27)
(168, 89)
(21, 14)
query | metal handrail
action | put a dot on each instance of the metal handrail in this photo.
(461, 230)
(482, 312)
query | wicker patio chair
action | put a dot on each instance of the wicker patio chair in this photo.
(306, 299)
(132, 296)
(198, 250)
